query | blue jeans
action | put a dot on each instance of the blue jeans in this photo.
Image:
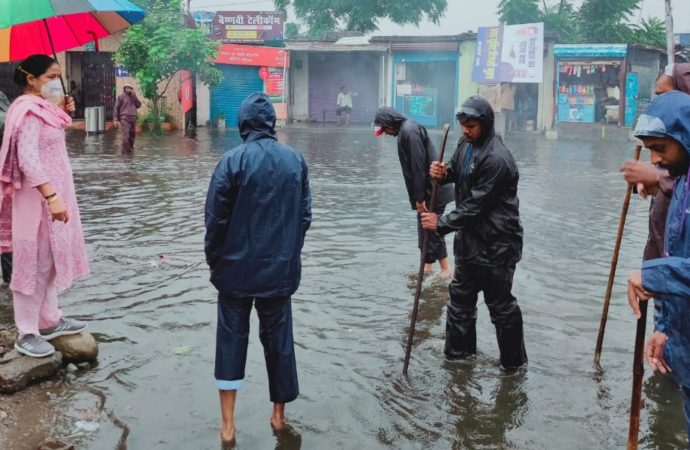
(275, 332)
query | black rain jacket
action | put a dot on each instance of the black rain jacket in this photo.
(258, 210)
(416, 152)
(486, 216)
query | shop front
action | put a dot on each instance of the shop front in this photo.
(247, 69)
(330, 72)
(425, 84)
(591, 84)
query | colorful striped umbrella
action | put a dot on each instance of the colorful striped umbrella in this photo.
(49, 26)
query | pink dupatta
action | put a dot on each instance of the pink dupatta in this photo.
(10, 173)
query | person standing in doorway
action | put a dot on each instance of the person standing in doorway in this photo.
(416, 152)
(39, 216)
(258, 210)
(125, 117)
(488, 239)
(344, 106)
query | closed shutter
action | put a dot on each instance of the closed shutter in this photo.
(238, 82)
(329, 72)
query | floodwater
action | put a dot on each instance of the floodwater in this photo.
(149, 302)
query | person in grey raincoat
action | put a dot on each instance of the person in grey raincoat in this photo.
(416, 152)
(488, 238)
(258, 210)
(665, 130)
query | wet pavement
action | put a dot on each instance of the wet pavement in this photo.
(150, 305)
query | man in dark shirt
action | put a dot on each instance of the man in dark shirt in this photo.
(125, 117)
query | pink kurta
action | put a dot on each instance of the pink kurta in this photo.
(42, 157)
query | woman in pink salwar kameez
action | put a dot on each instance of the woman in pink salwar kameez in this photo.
(39, 216)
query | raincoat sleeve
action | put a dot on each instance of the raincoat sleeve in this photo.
(490, 179)
(415, 144)
(451, 168)
(306, 200)
(116, 110)
(668, 278)
(218, 212)
(28, 151)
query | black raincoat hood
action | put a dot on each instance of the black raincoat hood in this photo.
(477, 105)
(257, 118)
(389, 118)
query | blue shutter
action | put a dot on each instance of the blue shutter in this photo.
(238, 82)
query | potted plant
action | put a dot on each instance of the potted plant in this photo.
(220, 120)
(166, 121)
(144, 122)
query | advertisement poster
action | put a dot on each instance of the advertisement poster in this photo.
(510, 54)
(246, 27)
(248, 55)
(186, 91)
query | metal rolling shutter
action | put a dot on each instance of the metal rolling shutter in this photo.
(238, 82)
(328, 72)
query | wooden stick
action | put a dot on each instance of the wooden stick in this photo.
(422, 262)
(614, 264)
(638, 375)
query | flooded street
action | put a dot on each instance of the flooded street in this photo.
(149, 303)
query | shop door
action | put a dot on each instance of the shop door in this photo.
(97, 82)
(226, 98)
(329, 72)
(7, 84)
(632, 87)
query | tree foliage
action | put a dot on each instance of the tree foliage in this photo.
(512, 12)
(596, 21)
(362, 15)
(606, 21)
(158, 47)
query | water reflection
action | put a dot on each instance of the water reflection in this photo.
(149, 295)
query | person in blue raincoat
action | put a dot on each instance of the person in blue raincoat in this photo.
(664, 129)
(258, 210)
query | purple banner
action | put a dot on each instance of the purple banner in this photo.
(487, 57)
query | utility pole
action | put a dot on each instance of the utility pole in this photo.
(670, 38)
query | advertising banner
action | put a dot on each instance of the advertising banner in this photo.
(248, 55)
(246, 27)
(510, 54)
(186, 91)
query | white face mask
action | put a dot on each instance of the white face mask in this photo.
(52, 91)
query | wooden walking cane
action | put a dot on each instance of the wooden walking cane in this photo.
(614, 264)
(422, 258)
(638, 374)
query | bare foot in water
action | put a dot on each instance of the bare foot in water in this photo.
(446, 275)
(227, 437)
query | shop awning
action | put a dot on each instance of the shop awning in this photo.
(590, 50)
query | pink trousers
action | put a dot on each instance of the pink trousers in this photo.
(40, 310)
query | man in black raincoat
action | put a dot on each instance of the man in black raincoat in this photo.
(258, 210)
(416, 152)
(488, 239)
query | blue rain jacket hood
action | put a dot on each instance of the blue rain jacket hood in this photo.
(668, 116)
(258, 210)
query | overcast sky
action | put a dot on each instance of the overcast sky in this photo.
(461, 16)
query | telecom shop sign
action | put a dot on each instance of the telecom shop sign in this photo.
(245, 27)
(510, 54)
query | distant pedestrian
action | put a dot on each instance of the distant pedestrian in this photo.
(488, 238)
(39, 216)
(344, 106)
(416, 152)
(258, 210)
(125, 117)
